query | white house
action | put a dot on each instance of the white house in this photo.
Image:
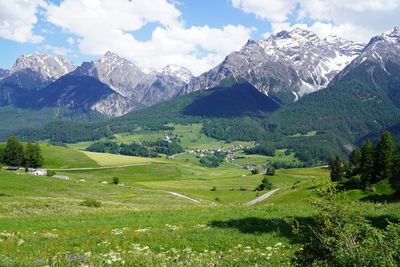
(38, 172)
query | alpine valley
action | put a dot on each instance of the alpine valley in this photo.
(313, 97)
(286, 153)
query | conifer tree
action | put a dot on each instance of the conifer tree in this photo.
(383, 157)
(395, 178)
(13, 152)
(337, 171)
(367, 163)
(1, 155)
(355, 158)
(33, 156)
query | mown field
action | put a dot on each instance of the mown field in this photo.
(140, 223)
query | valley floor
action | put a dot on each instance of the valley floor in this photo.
(43, 221)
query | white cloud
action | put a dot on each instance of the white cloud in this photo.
(103, 25)
(62, 51)
(17, 19)
(273, 10)
(356, 20)
(70, 41)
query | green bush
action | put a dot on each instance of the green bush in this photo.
(91, 203)
(265, 185)
(50, 173)
(115, 180)
(340, 235)
(270, 171)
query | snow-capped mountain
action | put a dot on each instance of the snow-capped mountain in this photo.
(31, 73)
(177, 71)
(286, 66)
(382, 50)
(50, 67)
(136, 87)
(4, 73)
(118, 73)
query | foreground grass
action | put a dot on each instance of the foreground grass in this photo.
(42, 221)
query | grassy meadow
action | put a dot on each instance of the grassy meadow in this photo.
(44, 221)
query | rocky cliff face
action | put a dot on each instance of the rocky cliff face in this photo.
(286, 66)
(382, 50)
(136, 88)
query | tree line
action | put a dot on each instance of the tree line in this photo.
(15, 154)
(143, 149)
(370, 164)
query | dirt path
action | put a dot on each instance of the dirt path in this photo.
(183, 196)
(267, 195)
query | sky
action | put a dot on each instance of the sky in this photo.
(196, 34)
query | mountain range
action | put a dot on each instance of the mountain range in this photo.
(290, 84)
(286, 66)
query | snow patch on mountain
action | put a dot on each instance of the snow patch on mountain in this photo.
(296, 61)
(50, 67)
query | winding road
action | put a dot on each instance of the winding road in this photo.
(183, 196)
(261, 198)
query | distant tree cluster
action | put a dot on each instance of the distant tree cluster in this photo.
(144, 149)
(262, 149)
(370, 164)
(265, 185)
(213, 160)
(15, 154)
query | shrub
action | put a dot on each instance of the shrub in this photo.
(51, 173)
(265, 185)
(91, 203)
(270, 171)
(340, 235)
(115, 180)
(214, 188)
(255, 171)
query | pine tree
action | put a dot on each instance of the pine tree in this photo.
(383, 157)
(355, 158)
(367, 164)
(38, 155)
(395, 178)
(13, 152)
(33, 156)
(1, 155)
(337, 171)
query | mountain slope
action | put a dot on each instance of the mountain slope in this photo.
(363, 99)
(286, 66)
(130, 82)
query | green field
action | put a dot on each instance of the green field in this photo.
(140, 223)
(190, 136)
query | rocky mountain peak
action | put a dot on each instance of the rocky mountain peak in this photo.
(179, 72)
(287, 65)
(4, 73)
(50, 67)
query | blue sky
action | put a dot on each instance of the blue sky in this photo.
(196, 34)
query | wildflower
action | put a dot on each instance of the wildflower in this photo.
(143, 230)
(50, 235)
(172, 227)
(20, 242)
(278, 244)
(117, 232)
